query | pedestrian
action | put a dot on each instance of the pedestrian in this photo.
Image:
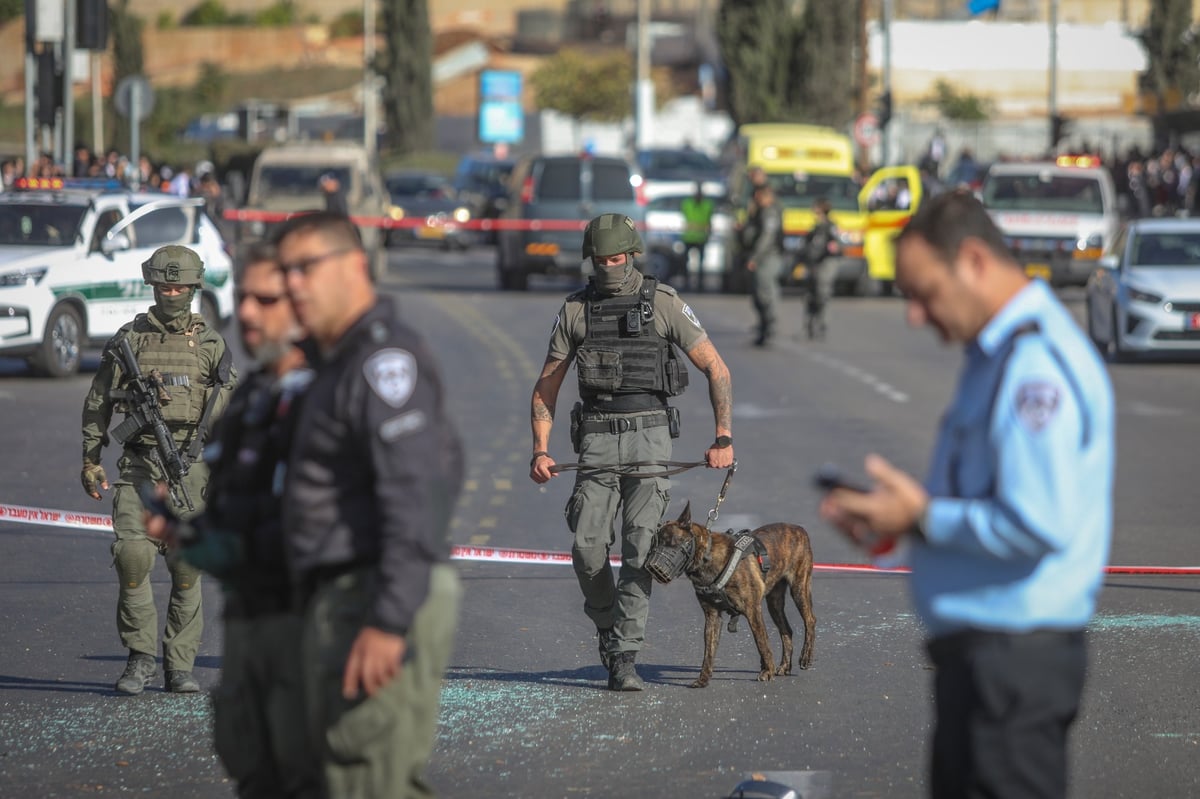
(335, 194)
(373, 475)
(765, 261)
(1011, 530)
(258, 711)
(820, 247)
(193, 376)
(697, 213)
(622, 330)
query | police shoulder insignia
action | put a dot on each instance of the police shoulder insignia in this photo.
(392, 374)
(691, 315)
(1037, 403)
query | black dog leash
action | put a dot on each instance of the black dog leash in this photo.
(630, 469)
(714, 512)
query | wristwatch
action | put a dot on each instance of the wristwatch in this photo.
(722, 442)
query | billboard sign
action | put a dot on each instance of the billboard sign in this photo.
(501, 115)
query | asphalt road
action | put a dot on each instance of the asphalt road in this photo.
(524, 710)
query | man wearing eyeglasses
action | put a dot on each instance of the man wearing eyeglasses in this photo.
(374, 471)
(259, 723)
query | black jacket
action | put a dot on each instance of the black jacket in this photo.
(375, 468)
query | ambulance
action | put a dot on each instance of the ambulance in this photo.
(804, 163)
(1057, 217)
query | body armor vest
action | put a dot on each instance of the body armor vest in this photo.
(623, 363)
(177, 356)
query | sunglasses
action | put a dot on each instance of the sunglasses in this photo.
(265, 300)
(305, 265)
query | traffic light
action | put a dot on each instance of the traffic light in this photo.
(1060, 128)
(49, 87)
(91, 27)
(885, 109)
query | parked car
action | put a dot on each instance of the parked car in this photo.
(71, 254)
(677, 170)
(481, 181)
(428, 200)
(664, 238)
(1145, 294)
(561, 193)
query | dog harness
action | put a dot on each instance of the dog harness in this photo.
(715, 594)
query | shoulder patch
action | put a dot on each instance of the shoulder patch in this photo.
(691, 316)
(392, 374)
(1037, 403)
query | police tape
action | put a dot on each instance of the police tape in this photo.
(48, 517)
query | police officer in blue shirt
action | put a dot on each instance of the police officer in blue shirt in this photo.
(1011, 530)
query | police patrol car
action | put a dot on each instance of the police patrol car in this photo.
(71, 254)
(1056, 216)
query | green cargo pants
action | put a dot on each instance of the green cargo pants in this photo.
(623, 604)
(259, 726)
(133, 557)
(377, 747)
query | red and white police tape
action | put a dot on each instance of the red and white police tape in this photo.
(48, 517)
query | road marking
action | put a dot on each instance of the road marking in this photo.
(470, 485)
(1138, 408)
(877, 384)
(480, 540)
(488, 522)
(501, 484)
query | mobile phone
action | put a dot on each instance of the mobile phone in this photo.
(829, 476)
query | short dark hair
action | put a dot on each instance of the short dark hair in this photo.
(948, 219)
(335, 227)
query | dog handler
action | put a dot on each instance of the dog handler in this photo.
(1011, 531)
(622, 331)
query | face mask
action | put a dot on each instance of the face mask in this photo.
(610, 279)
(172, 307)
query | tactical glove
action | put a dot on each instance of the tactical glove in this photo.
(93, 479)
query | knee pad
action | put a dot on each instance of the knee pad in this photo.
(133, 559)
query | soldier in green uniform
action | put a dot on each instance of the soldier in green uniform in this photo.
(622, 331)
(197, 377)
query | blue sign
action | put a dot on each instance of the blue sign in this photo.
(979, 6)
(501, 115)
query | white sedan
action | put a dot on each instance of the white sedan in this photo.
(664, 236)
(1145, 294)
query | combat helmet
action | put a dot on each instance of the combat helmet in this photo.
(611, 234)
(173, 264)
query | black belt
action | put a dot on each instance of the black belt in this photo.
(960, 642)
(623, 424)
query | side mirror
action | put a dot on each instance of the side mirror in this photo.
(118, 242)
(1109, 261)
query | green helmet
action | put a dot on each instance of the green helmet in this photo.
(174, 264)
(610, 234)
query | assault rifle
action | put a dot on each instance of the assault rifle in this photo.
(144, 396)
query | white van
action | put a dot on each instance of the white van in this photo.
(1056, 216)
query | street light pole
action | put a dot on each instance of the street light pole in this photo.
(885, 139)
(368, 80)
(643, 91)
(1052, 100)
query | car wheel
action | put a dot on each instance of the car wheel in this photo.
(62, 346)
(1117, 352)
(1093, 329)
(210, 312)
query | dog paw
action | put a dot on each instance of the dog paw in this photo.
(700, 683)
(783, 669)
(766, 675)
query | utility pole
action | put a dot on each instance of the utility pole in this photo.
(885, 137)
(644, 90)
(368, 79)
(862, 101)
(67, 154)
(1052, 101)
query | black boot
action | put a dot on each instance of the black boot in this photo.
(607, 639)
(622, 676)
(181, 682)
(139, 671)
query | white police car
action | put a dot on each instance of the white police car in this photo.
(71, 254)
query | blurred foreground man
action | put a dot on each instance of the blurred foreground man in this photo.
(189, 371)
(1011, 530)
(374, 472)
(258, 711)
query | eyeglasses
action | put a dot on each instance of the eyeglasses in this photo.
(264, 300)
(304, 265)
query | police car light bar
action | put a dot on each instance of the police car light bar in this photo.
(1077, 160)
(57, 184)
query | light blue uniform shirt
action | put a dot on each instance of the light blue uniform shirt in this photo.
(1020, 518)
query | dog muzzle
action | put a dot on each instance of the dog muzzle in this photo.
(667, 563)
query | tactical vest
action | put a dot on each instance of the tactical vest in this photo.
(623, 363)
(247, 460)
(177, 356)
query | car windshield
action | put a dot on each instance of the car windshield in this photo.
(297, 180)
(801, 190)
(1044, 191)
(1166, 250)
(672, 161)
(40, 225)
(674, 202)
(483, 175)
(422, 186)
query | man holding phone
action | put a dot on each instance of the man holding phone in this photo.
(1011, 530)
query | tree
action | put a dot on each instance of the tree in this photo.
(1171, 54)
(757, 39)
(406, 66)
(820, 86)
(126, 29)
(954, 104)
(583, 85)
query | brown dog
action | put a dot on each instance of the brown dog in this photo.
(683, 546)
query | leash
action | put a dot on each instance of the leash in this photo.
(630, 469)
(715, 512)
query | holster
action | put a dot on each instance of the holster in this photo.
(576, 426)
(673, 421)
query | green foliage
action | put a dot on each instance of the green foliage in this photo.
(585, 85)
(1171, 45)
(208, 12)
(11, 9)
(214, 12)
(954, 104)
(165, 21)
(406, 66)
(126, 28)
(349, 23)
(279, 15)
